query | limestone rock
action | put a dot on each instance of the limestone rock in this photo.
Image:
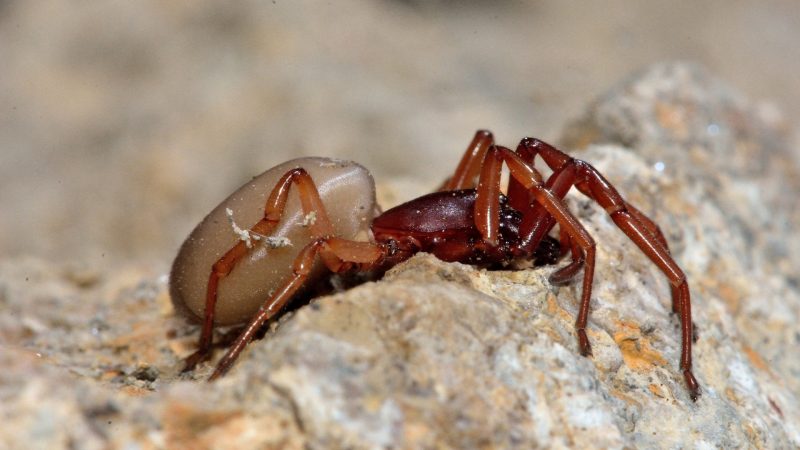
(721, 178)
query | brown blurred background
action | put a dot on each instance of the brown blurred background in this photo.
(123, 123)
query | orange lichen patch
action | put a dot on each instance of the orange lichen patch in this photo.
(554, 309)
(373, 403)
(142, 343)
(182, 347)
(753, 434)
(731, 395)
(625, 398)
(416, 431)
(657, 390)
(109, 375)
(731, 296)
(636, 349)
(135, 391)
(674, 202)
(756, 359)
(185, 425)
(672, 118)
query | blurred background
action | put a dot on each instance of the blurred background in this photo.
(123, 123)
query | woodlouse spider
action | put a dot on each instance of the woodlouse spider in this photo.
(330, 221)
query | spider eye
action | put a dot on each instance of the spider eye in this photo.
(503, 200)
(510, 216)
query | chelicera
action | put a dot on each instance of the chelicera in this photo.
(330, 222)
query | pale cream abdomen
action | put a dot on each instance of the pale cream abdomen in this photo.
(346, 189)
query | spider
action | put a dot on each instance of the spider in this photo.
(334, 225)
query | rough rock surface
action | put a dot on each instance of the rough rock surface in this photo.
(447, 355)
(728, 183)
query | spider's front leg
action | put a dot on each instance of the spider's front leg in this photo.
(568, 172)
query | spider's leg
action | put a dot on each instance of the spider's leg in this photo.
(537, 222)
(487, 219)
(655, 230)
(470, 165)
(641, 230)
(487, 201)
(520, 198)
(565, 274)
(559, 161)
(338, 255)
(273, 212)
(629, 222)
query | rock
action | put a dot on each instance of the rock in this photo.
(720, 169)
